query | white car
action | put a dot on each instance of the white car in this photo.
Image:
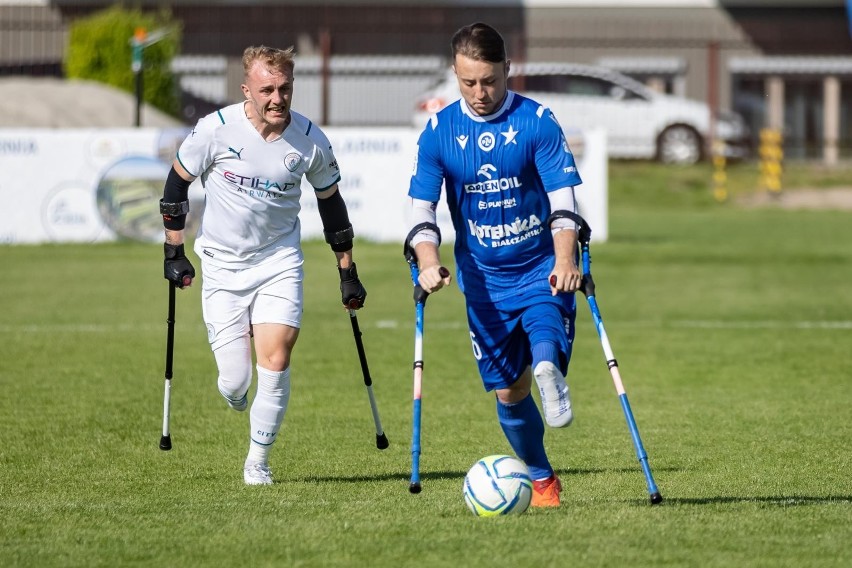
(640, 123)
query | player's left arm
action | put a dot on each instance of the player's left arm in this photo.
(564, 231)
(339, 235)
(324, 174)
(555, 163)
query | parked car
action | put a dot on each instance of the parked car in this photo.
(640, 123)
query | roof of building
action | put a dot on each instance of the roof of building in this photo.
(791, 65)
(48, 102)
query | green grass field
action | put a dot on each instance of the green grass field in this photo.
(732, 329)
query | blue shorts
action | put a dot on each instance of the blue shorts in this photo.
(503, 333)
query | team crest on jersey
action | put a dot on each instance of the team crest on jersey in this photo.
(292, 161)
(486, 141)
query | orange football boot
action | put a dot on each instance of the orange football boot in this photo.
(546, 492)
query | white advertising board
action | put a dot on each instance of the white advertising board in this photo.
(90, 185)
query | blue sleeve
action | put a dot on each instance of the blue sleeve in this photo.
(428, 174)
(553, 157)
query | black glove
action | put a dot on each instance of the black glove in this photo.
(351, 290)
(176, 267)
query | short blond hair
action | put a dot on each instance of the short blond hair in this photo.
(272, 57)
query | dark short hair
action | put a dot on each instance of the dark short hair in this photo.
(479, 42)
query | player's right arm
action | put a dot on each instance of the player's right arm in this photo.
(425, 191)
(425, 243)
(195, 155)
(174, 206)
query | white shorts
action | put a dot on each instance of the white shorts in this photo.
(270, 292)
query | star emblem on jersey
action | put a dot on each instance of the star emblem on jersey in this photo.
(510, 136)
(462, 140)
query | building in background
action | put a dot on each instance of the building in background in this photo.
(785, 64)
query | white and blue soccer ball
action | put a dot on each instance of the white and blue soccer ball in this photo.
(498, 485)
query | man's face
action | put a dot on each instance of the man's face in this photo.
(270, 93)
(482, 83)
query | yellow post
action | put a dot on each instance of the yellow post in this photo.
(720, 177)
(771, 158)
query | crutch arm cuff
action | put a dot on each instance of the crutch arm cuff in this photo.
(408, 250)
(584, 233)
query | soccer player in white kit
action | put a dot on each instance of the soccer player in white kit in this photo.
(251, 157)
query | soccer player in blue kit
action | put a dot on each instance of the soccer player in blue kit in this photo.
(509, 177)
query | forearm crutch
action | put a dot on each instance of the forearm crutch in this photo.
(166, 438)
(588, 289)
(420, 297)
(381, 439)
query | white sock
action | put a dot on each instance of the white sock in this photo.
(267, 412)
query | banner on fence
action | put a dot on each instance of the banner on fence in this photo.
(91, 185)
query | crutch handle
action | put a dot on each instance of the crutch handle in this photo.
(420, 294)
(587, 285)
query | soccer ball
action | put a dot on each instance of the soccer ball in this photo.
(498, 485)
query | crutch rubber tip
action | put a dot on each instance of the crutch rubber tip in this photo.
(414, 488)
(656, 498)
(381, 441)
(166, 443)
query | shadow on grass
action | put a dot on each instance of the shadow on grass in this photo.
(383, 477)
(779, 501)
(598, 470)
(435, 475)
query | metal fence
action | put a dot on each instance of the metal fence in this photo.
(356, 91)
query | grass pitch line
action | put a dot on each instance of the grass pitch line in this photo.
(78, 328)
(710, 324)
(698, 324)
(395, 324)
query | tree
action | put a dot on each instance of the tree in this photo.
(99, 49)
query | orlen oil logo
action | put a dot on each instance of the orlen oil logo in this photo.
(491, 185)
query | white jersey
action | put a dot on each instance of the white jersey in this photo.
(252, 186)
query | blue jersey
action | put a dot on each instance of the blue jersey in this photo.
(497, 171)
